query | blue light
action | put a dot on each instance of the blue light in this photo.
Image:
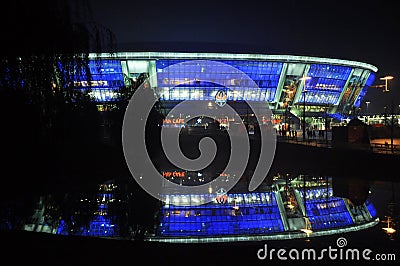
(106, 78)
(326, 212)
(371, 208)
(213, 219)
(368, 83)
(326, 84)
(177, 86)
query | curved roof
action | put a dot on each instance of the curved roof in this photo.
(210, 56)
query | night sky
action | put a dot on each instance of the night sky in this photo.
(365, 31)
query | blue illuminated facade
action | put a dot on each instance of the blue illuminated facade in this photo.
(325, 211)
(263, 214)
(326, 83)
(102, 221)
(368, 83)
(106, 79)
(174, 85)
(337, 84)
(371, 209)
(253, 213)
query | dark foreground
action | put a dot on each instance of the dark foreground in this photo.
(26, 248)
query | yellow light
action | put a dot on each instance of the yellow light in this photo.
(389, 230)
(307, 231)
(305, 78)
(387, 78)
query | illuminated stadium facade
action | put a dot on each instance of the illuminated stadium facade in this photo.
(336, 87)
(308, 207)
(305, 207)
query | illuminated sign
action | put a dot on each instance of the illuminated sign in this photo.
(93, 83)
(173, 174)
(221, 97)
(178, 121)
(221, 196)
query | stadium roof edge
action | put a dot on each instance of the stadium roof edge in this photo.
(231, 56)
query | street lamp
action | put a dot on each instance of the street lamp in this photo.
(367, 102)
(386, 78)
(305, 78)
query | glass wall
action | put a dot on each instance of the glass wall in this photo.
(368, 83)
(325, 211)
(353, 89)
(251, 213)
(326, 83)
(106, 78)
(193, 82)
(292, 81)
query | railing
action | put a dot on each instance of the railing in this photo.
(385, 148)
(316, 142)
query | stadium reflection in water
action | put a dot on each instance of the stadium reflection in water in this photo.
(287, 208)
(283, 207)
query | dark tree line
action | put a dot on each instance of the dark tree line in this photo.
(51, 134)
(49, 125)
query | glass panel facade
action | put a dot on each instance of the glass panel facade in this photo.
(251, 213)
(187, 81)
(371, 208)
(293, 74)
(326, 83)
(102, 222)
(325, 211)
(368, 83)
(106, 77)
(352, 90)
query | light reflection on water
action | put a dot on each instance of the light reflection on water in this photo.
(275, 207)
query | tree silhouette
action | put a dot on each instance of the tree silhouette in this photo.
(48, 119)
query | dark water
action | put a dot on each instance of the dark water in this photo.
(53, 249)
(378, 187)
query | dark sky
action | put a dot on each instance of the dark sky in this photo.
(365, 31)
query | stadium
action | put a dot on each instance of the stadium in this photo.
(302, 207)
(333, 88)
(295, 89)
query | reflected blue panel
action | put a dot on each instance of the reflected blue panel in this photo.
(101, 226)
(371, 208)
(101, 223)
(62, 228)
(257, 213)
(325, 211)
(368, 83)
(326, 83)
